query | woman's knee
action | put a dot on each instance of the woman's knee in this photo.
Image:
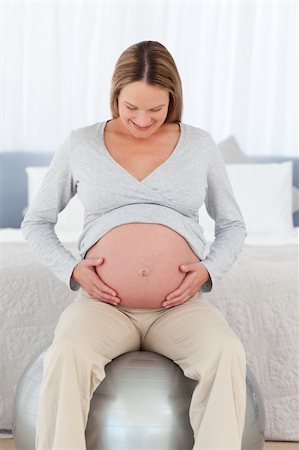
(235, 345)
(227, 343)
(233, 352)
(67, 328)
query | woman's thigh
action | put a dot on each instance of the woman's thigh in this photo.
(191, 334)
(98, 327)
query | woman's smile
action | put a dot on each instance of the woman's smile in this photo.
(141, 128)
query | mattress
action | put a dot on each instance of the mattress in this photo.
(258, 296)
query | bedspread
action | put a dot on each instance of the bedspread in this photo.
(258, 296)
(32, 299)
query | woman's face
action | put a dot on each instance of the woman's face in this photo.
(142, 108)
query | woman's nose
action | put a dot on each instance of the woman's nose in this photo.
(143, 119)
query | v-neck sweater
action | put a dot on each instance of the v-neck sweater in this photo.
(170, 195)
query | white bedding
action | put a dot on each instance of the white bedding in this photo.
(258, 296)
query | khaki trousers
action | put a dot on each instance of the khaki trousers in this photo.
(195, 335)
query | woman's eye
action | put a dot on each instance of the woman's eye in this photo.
(153, 110)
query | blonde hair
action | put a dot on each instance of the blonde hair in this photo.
(151, 62)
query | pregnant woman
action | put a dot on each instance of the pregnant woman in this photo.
(141, 177)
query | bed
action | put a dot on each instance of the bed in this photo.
(258, 295)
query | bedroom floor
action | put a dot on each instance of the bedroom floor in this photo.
(7, 444)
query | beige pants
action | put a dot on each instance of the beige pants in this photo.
(194, 335)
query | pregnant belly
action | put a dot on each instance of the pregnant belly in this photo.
(141, 262)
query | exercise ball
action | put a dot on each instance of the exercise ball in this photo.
(142, 403)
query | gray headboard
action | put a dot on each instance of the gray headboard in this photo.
(13, 182)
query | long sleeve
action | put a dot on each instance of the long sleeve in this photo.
(57, 189)
(230, 229)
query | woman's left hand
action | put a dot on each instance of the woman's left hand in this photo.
(197, 275)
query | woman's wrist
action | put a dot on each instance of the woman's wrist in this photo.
(206, 272)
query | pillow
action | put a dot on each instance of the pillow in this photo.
(71, 219)
(232, 154)
(264, 195)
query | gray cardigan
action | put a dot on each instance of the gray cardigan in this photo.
(170, 195)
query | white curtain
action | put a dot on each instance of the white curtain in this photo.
(237, 60)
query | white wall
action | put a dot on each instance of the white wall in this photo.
(237, 60)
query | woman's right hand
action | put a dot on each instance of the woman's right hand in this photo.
(85, 274)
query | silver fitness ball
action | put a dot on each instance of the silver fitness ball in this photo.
(142, 404)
